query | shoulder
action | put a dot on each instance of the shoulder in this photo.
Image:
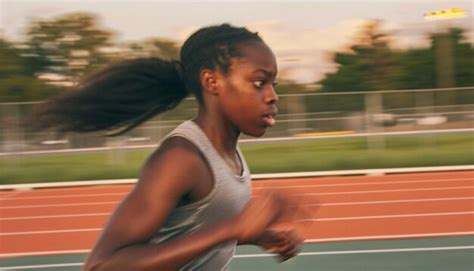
(176, 151)
(176, 162)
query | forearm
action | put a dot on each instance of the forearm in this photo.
(256, 241)
(169, 255)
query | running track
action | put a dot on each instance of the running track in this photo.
(68, 220)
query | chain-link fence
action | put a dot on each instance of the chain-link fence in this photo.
(300, 115)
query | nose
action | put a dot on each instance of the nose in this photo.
(271, 96)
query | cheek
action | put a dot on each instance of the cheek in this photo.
(240, 98)
(241, 104)
(237, 108)
(244, 103)
(243, 112)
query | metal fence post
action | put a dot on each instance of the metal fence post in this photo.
(116, 156)
(425, 104)
(373, 107)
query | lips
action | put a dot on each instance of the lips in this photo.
(269, 119)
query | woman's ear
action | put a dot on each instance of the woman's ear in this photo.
(209, 81)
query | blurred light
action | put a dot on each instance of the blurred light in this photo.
(56, 79)
(80, 53)
(446, 14)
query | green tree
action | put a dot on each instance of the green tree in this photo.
(25, 88)
(69, 45)
(462, 54)
(418, 69)
(368, 66)
(372, 65)
(422, 68)
(154, 47)
(150, 47)
(11, 61)
(17, 82)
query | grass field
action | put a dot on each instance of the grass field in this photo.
(307, 155)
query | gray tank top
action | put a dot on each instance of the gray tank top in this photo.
(229, 195)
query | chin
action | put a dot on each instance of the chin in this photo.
(256, 133)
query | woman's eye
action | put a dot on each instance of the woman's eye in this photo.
(259, 83)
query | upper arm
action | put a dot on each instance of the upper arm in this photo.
(168, 174)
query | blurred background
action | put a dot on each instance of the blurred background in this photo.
(362, 84)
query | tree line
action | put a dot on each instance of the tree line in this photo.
(372, 64)
(57, 52)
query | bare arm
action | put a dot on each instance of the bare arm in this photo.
(167, 256)
(170, 172)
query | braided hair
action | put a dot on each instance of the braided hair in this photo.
(126, 94)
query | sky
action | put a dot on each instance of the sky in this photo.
(303, 34)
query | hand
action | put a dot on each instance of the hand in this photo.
(259, 214)
(286, 243)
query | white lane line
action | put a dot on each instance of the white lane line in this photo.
(86, 187)
(355, 177)
(384, 216)
(386, 191)
(48, 232)
(316, 253)
(395, 236)
(67, 196)
(309, 194)
(12, 194)
(310, 205)
(359, 251)
(64, 190)
(308, 241)
(389, 201)
(300, 220)
(39, 266)
(44, 253)
(59, 205)
(316, 204)
(363, 183)
(276, 187)
(51, 216)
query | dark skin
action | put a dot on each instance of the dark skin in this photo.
(233, 102)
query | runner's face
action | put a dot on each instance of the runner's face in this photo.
(248, 97)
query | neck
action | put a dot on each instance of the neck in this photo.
(221, 133)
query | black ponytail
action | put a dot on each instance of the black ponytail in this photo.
(120, 97)
(126, 94)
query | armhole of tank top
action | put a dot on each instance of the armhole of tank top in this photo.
(210, 195)
(245, 169)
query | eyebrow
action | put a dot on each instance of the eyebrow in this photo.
(267, 73)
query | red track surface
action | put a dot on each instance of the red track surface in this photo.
(340, 208)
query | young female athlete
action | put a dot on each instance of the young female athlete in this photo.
(192, 204)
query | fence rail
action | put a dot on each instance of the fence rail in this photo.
(381, 113)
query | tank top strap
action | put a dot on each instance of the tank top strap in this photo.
(193, 133)
(190, 131)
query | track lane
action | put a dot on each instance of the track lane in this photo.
(378, 217)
